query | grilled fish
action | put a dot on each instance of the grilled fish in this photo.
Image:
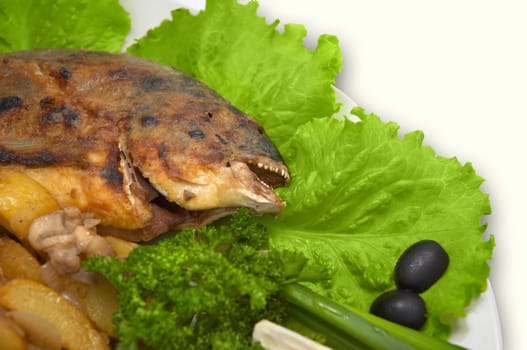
(142, 146)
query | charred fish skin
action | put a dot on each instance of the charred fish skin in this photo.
(92, 126)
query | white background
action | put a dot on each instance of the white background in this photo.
(456, 70)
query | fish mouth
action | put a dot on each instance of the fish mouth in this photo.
(248, 183)
(257, 179)
(269, 173)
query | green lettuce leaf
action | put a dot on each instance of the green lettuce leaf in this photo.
(268, 75)
(88, 24)
(360, 195)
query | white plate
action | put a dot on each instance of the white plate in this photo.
(480, 329)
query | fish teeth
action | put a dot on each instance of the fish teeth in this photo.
(276, 170)
(265, 184)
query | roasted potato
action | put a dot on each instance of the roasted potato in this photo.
(75, 328)
(121, 247)
(16, 261)
(101, 302)
(22, 200)
(10, 338)
(38, 331)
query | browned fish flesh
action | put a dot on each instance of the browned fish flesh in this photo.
(142, 146)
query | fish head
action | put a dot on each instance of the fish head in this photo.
(202, 153)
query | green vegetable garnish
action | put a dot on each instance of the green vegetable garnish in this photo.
(88, 24)
(350, 328)
(197, 289)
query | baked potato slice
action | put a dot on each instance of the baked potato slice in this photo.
(17, 262)
(10, 338)
(76, 330)
(22, 200)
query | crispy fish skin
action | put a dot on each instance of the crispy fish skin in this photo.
(92, 126)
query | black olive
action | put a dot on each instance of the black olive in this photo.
(420, 266)
(401, 306)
